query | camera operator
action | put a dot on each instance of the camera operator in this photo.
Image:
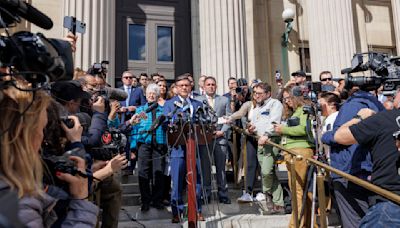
(330, 104)
(22, 169)
(353, 159)
(376, 131)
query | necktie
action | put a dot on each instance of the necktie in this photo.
(211, 102)
(128, 90)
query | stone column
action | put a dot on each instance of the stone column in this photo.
(331, 35)
(98, 43)
(222, 40)
(396, 22)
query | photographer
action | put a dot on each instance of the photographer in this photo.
(353, 159)
(21, 166)
(376, 131)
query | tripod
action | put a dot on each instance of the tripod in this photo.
(313, 134)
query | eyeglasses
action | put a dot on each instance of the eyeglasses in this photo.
(127, 77)
(326, 79)
(259, 93)
(184, 85)
(286, 98)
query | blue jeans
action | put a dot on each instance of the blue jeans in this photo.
(383, 214)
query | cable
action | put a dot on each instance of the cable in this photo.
(132, 218)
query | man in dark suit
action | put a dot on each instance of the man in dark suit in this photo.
(135, 96)
(219, 146)
(187, 109)
(128, 107)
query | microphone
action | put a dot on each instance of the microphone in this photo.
(178, 105)
(208, 107)
(28, 12)
(115, 94)
(157, 122)
(151, 107)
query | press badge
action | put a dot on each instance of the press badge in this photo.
(284, 140)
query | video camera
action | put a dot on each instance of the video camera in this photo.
(99, 69)
(113, 143)
(32, 56)
(386, 68)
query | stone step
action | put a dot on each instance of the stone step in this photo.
(130, 188)
(128, 179)
(130, 199)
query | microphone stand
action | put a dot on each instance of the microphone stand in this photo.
(191, 173)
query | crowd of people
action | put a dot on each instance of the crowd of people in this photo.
(137, 118)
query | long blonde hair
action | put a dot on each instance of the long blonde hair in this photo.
(298, 101)
(21, 166)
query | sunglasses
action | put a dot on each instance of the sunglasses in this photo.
(128, 77)
(326, 79)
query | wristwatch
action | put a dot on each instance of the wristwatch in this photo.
(357, 117)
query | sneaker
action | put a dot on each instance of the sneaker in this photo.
(268, 202)
(259, 197)
(245, 198)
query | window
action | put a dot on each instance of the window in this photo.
(164, 44)
(137, 42)
(305, 61)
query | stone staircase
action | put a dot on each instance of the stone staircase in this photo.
(217, 215)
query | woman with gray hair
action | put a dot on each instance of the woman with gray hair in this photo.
(152, 145)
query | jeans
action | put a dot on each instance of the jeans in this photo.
(383, 214)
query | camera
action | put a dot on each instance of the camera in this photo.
(293, 121)
(99, 68)
(37, 58)
(386, 68)
(63, 163)
(68, 122)
(113, 143)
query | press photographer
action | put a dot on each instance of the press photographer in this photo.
(354, 159)
(377, 131)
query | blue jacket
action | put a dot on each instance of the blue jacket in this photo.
(139, 133)
(169, 107)
(354, 159)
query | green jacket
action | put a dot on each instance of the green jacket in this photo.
(296, 136)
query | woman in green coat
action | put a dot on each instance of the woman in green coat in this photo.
(294, 137)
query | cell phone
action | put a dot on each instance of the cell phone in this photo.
(74, 25)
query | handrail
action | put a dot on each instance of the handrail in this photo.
(378, 190)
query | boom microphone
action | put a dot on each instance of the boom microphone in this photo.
(28, 12)
(115, 94)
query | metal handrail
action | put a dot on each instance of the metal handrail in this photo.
(374, 188)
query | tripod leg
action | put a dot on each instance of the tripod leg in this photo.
(293, 189)
(321, 198)
(314, 193)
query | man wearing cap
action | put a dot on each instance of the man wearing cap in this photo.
(299, 79)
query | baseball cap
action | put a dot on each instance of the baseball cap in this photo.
(299, 72)
(68, 90)
(241, 82)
